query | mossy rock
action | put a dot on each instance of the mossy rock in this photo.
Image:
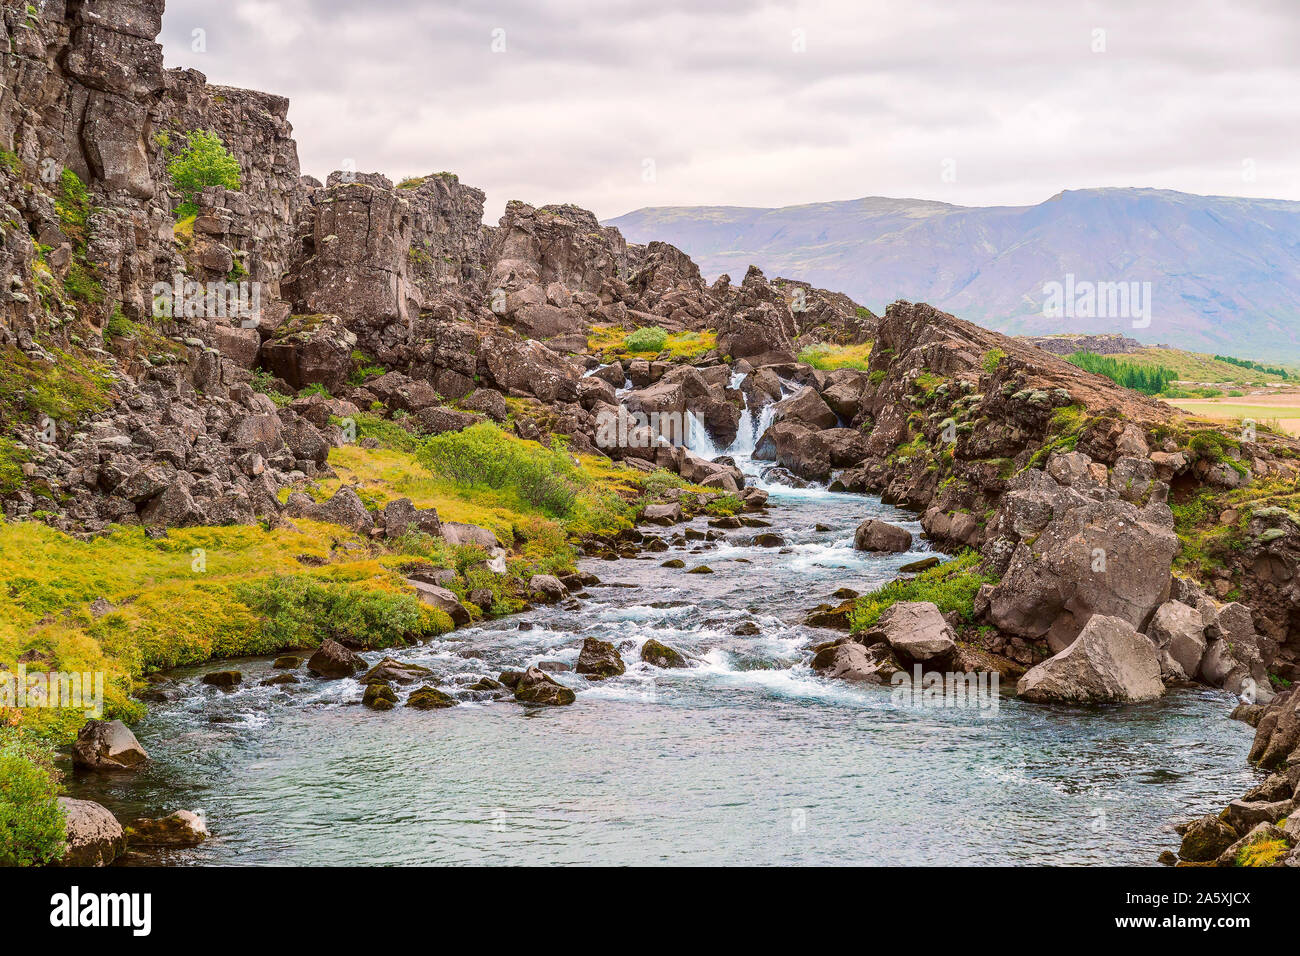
(287, 663)
(429, 698)
(1205, 839)
(379, 697)
(661, 655)
(702, 569)
(226, 680)
(674, 563)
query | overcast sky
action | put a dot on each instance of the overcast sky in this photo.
(619, 104)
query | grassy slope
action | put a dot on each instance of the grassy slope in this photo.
(168, 612)
(1199, 367)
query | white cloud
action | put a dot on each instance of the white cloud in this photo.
(1010, 90)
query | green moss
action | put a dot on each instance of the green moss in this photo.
(992, 359)
(649, 339)
(1262, 853)
(65, 390)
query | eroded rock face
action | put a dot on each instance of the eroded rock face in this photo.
(1099, 558)
(1110, 662)
(852, 661)
(757, 324)
(1179, 633)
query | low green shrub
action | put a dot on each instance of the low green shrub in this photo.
(951, 586)
(649, 339)
(31, 820)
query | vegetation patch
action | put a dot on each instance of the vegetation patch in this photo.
(203, 162)
(1147, 379)
(826, 357)
(951, 586)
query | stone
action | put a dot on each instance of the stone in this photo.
(852, 661)
(663, 514)
(429, 698)
(441, 599)
(92, 835)
(379, 696)
(333, 661)
(1205, 838)
(1109, 662)
(546, 588)
(107, 745)
(876, 535)
(658, 654)
(1180, 631)
(226, 680)
(537, 687)
(598, 660)
(393, 671)
(916, 630)
(179, 829)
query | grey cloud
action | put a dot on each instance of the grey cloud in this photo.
(713, 93)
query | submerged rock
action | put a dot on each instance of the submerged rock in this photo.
(179, 829)
(1109, 662)
(429, 698)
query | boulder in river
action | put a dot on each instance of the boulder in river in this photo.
(178, 829)
(397, 672)
(1108, 662)
(916, 630)
(1205, 838)
(333, 661)
(661, 655)
(876, 535)
(599, 659)
(379, 696)
(287, 663)
(546, 588)
(538, 687)
(92, 835)
(851, 661)
(107, 745)
(226, 680)
(429, 698)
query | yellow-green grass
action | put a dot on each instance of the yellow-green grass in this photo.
(609, 341)
(175, 600)
(827, 357)
(1199, 366)
(1284, 418)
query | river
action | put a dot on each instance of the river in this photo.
(745, 758)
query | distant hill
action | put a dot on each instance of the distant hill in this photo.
(1224, 272)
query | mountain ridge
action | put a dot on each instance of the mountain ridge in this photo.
(1224, 270)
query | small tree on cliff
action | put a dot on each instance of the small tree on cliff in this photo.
(204, 162)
